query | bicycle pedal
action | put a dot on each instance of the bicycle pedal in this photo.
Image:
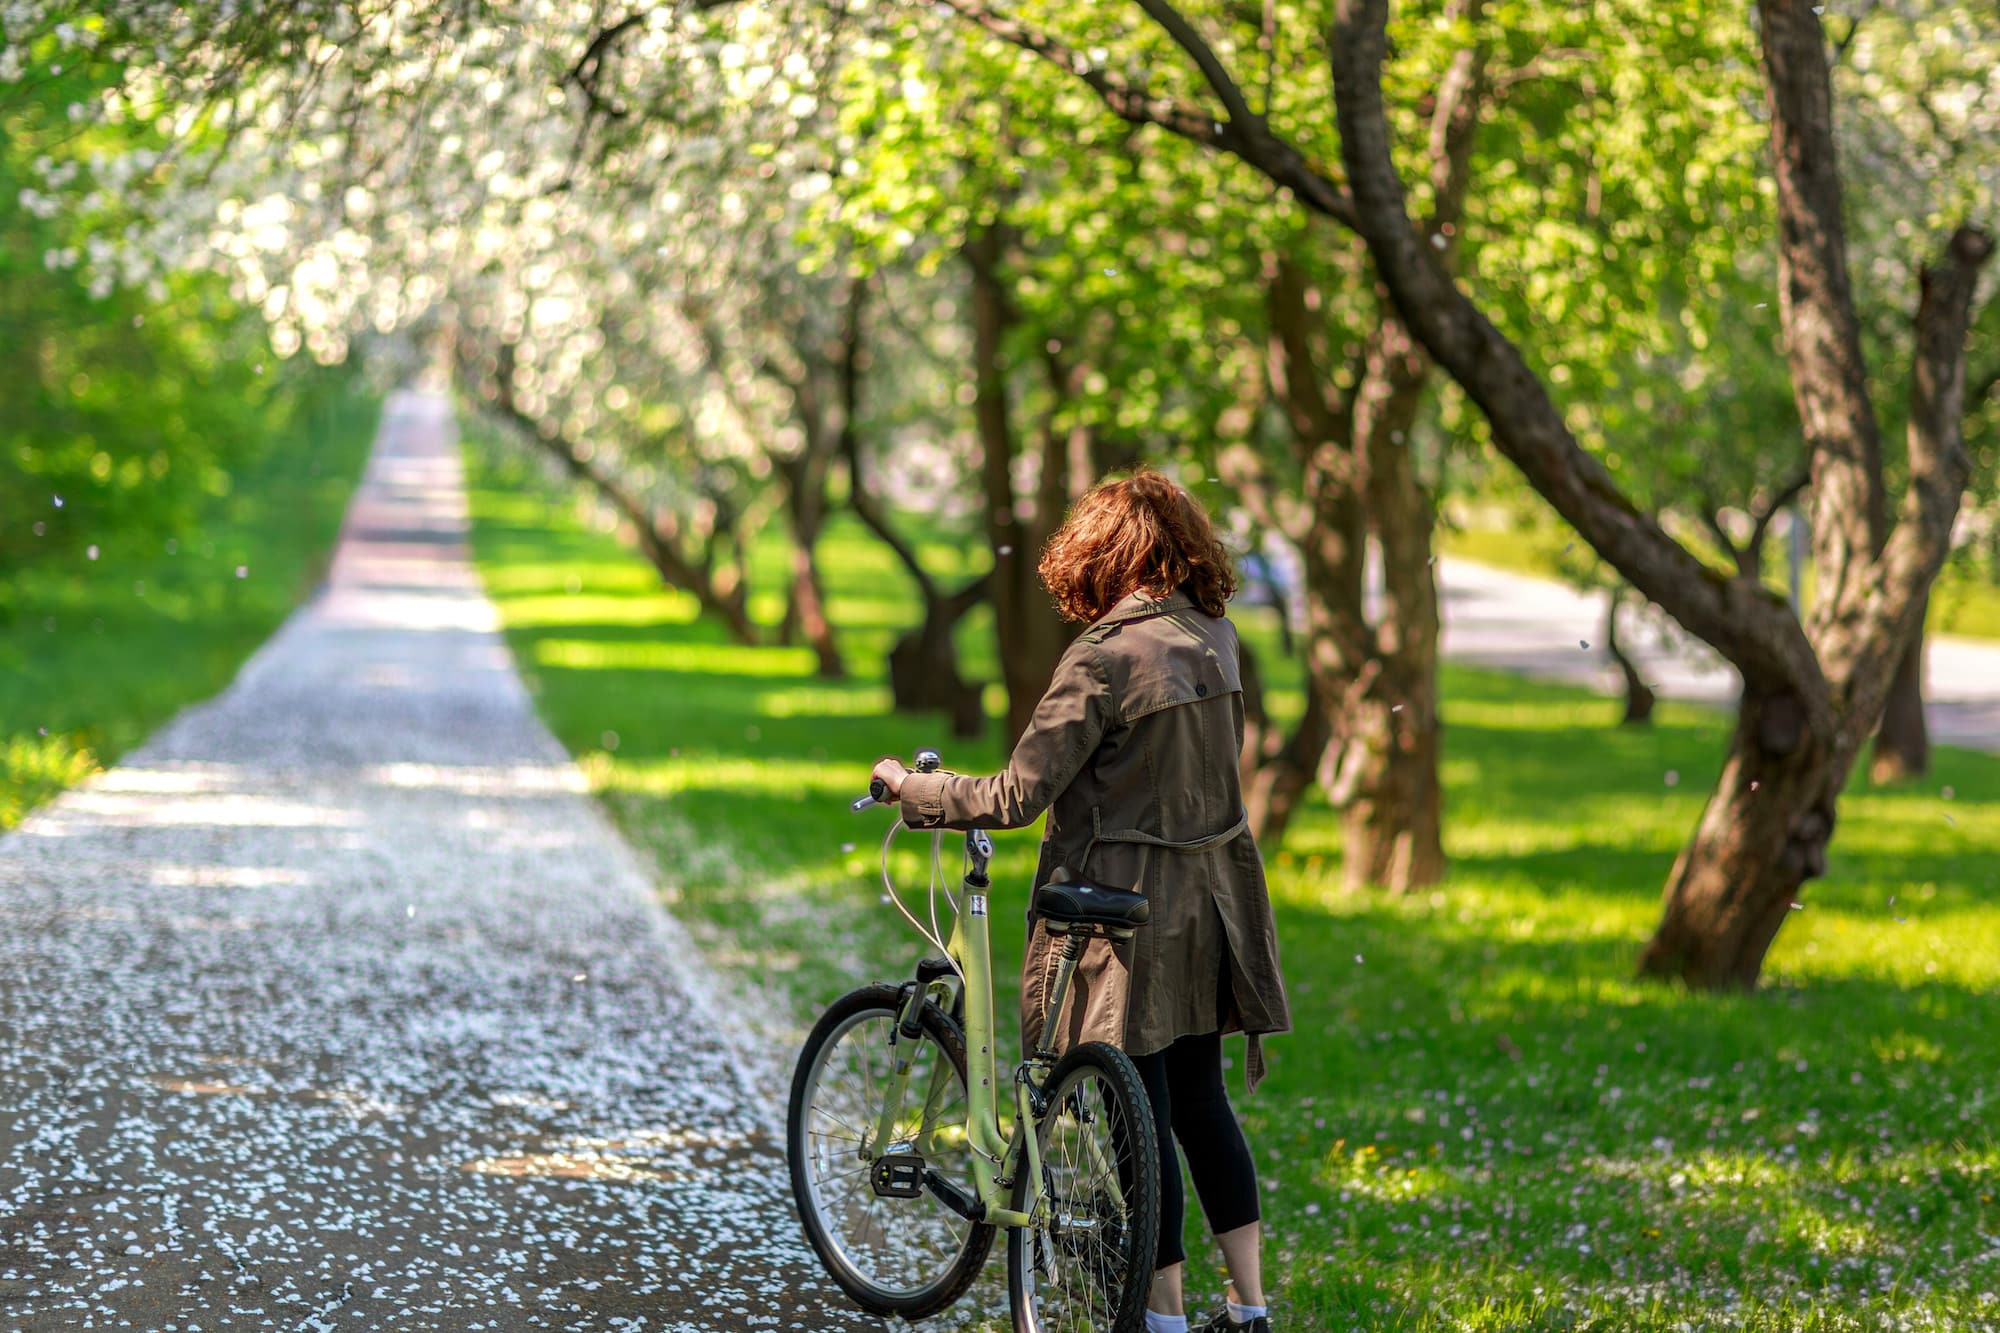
(898, 1176)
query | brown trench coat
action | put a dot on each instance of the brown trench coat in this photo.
(1135, 746)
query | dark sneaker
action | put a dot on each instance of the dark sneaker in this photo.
(1221, 1324)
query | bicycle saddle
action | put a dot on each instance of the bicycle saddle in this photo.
(1088, 905)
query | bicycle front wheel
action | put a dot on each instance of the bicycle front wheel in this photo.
(1087, 1267)
(908, 1256)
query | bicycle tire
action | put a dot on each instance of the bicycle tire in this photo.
(927, 1296)
(1136, 1242)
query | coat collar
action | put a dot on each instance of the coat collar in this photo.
(1138, 605)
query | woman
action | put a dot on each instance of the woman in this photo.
(1134, 752)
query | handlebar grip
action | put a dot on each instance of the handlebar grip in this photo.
(878, 794)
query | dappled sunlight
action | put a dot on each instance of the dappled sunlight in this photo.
(1897, 1047)
(1554, 714)
(1365, 1171)
(1905, 942)
(643, 1156)
(93, 808)
(200, 1088)
(742, 776)
(168, 875)
(178, 779)
(33, 768)
(573, 1166)
(425, 610)
(479, 780)
(865, 615)
(552, 610)
(641, 655)
(354, 1104)
(823, 701)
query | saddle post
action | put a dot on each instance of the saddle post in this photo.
(1072, 953)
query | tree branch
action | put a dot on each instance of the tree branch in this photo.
(1245, 134)
(1940, 467)
(1757, 633)
(1540, 66)
(1711, 518)
(1762, 520)
(583, 74)
(1853, 28)
(1217, 75)
(1124, 100)
(1454, 121)
(1816, 306)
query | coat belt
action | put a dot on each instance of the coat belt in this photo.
(1097, 835)
(1253, 1067)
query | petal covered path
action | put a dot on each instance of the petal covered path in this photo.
(340, 1006)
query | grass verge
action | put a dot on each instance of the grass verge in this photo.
(1482, 1121)
(99, 649)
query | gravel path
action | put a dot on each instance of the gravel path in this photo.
(1496, 618)
(340, 1006)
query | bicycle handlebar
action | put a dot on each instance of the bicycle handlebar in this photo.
(928, 761)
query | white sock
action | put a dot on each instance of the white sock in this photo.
(1243, 1314)
(1165, 1323)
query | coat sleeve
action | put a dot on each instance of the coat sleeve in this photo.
(1067, 725)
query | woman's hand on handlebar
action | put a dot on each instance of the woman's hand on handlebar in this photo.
(890, 772)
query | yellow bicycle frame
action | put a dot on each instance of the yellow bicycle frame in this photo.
(996, 1151)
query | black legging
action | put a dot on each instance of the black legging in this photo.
(1184, 1083)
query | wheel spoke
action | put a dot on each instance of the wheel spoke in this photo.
(890, 1245)
(1083, 1259)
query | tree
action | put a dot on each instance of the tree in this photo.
(128, 406)
(1813, 691)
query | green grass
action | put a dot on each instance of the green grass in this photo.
(96, 653)
(1482, 1121)
(1965, 602)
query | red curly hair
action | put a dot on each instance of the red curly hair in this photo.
(1136, 533)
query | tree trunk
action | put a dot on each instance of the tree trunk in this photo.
(1371, 687)
(1763, 834)
(1395, 823)
(1639, 697)
(1278, 769)
(923, 664)
(808, 601)
(805, 508)
(1032, 636)
(1392, 818)
(1903, 741)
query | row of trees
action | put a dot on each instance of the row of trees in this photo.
(738, 262)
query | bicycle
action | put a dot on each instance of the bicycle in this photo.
(900, 1195)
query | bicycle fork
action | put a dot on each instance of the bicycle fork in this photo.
(908, 1039)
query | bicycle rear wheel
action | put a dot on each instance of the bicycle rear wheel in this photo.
(895, 1256)
(1088, 1267)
